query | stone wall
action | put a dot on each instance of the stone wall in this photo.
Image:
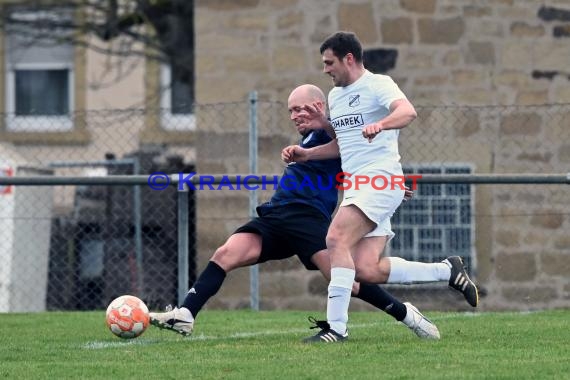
(449, 51)
(443, 52)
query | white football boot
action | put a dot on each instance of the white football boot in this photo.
(420, 325)
(179, 320)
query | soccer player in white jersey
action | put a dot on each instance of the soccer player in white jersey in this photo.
(366, 113)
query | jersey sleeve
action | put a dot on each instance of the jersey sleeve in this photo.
(387, 91)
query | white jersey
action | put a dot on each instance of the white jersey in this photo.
(364, 102)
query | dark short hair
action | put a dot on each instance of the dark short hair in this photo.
(342, 43)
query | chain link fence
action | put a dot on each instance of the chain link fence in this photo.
(77, 247)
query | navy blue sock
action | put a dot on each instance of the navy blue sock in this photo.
(207, 284)
(377, 296)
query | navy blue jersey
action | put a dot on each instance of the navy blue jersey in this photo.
(312, 183)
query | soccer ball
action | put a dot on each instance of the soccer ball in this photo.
(127, 317)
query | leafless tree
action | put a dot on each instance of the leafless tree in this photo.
(153, 29)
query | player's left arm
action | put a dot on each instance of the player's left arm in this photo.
(296, 153)
(402, 113)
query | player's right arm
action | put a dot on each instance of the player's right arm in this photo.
(295, 153)
(315, 118)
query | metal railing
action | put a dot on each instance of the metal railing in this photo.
(181, 182)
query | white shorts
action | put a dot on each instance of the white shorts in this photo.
(378, 199)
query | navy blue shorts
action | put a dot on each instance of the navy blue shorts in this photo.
(290, 230)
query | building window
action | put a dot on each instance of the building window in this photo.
(39, 72)
(31, 84)
(438, 221)
(177, 101)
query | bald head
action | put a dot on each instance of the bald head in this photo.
(306, 93)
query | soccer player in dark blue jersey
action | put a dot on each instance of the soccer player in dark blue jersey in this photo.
(294, 222)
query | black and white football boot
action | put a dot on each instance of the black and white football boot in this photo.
(326, 335)
(460, 281)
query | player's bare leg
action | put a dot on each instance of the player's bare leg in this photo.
(347, 228)
(241, 249)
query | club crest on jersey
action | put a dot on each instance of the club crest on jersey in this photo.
(347, 121)
(353, 100)
(308, 138)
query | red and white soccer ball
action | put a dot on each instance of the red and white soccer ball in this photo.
(127, 317)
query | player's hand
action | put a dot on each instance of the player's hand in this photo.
(294, 153)
(408, 193)
(314, 117)
(371, 130)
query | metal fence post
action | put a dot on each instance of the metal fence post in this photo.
(183, 248)
(254, 269)
(137, 216)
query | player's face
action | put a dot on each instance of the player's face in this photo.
(298, 115)
(298, 112)
(336, 68)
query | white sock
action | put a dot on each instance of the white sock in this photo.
(407, 272)
(340, 288)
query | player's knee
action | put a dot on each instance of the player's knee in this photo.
(224, 258)
(231, 256)
(335, 239)
(363, 275)
(371, 274)
(220, 253)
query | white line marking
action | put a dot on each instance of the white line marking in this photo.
(97, 345)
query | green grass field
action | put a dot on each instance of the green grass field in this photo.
(266, 345)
